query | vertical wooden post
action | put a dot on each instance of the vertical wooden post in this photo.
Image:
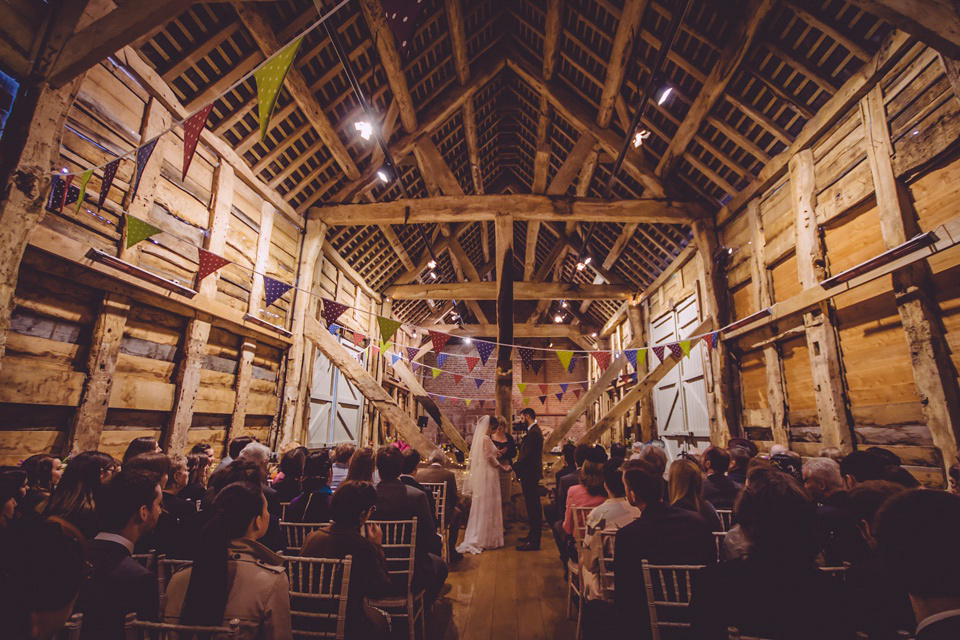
(314, 234)
(835, 427)
(244, 375)
(763, 298)
(933, 370)
(504, 386)
(725, 420)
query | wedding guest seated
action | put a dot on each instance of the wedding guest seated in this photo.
(397, 501)
(198, 464)
(349, 534)
(158, 466)
(663, 534)
(655, 455)
(287, 484)
(43, 474)
(245, 471)
(614, 513)
(747, 445)
(739, 459)
(880, 605)
(74, 499)
(917, 532)
(435, 473)
(685, 490)
(411, 460)
(11, 493)
(618, 450)
(363, 466)
(860, 466)
(204, 449)
(790, 463)
(313, 504)
(718, 489)
(838, 527)
(834, 453)
(41, 570)
(178, 525)
(580, 455)
(143, 444)
(777, 590)
(259, 454)
(128, 508)
(233, 450)
(233, 575)
(589, 493)
(341, 463)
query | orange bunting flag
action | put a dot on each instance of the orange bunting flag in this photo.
(209, 262)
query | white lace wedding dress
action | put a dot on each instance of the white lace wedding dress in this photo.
(485, 525)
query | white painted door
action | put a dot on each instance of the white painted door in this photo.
(679, 400)
(336, 406)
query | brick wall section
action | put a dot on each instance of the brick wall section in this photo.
(549, 413)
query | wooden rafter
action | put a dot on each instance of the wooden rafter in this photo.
(814, 20)
(521, 330)
(551, 38)
(541, 155)
(521, 291)
(620, 54)
(574, 163)
(935, 22)
(458, 39)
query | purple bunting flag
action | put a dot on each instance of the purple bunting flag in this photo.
(543, 399)
(402, 17)
(676, 350)
(559, 396)
(143, 157)
(109, 173)
(274, 289)
(332, 310)
(479, 382)
(526, 356)
(412, 353)
(563, 386)
(484, 349)
(659, 350)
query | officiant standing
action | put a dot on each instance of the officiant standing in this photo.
(529, 469)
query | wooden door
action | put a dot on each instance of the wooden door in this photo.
(336, 406)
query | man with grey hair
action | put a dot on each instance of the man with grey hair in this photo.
(453, 515)
(821, 477)
(837, 524)
(259, 454)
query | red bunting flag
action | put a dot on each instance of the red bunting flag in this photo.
(543, 388)
(602, 358)
(576, 392)
(358, 338)
(457, 378)
(209, 262)
(471, 362)
(192, 127)
(439, 339)
(402, 17)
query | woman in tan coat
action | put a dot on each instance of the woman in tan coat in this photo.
(234, 576)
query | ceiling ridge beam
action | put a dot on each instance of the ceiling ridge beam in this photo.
(390, 60)
(620, 54)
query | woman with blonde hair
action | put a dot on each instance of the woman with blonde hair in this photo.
(685, 490)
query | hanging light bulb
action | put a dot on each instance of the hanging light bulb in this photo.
(383, 175)
(365, 129)
(640, 136)
(467, 340)
(581, 265)
(563, 304)
(558, 318)
(433, 275)
(587, 260)
(664, 95)
(593, 335)
(432, 264)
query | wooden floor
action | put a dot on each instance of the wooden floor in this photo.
(505, 594)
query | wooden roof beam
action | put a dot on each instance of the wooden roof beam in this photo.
(521, 291)
(520, 330)
(935, 22)
(541, 156)
(551, 38)
(741, 39)
(803, 67)
(391, 62)
(523, 207)
(620, 53)
(818, 22)
(530, 252)
(458, 39)
(473, 149)
(574, 164)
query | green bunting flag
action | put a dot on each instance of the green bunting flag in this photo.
(565, 357)
(522, 386)
(385, 345)
(685, 346)
(526, 400)
(388, 327)
(138, 230)
(269, 80)
(641, 359)
(84, 179)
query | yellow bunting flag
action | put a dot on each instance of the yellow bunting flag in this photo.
(685, 347)
(84, 179)
(385, 345)
(138, 230)
(270, 78)
(565, 357)
(435, 372)
(522, 386)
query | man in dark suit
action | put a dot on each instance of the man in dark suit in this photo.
(529, 468)
(453, 514)
(663, 534)
(411, 460)
(127, 507)
(918, 532)
(397, 501)
(718, 489)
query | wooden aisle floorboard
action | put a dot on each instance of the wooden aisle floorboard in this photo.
(504, 595)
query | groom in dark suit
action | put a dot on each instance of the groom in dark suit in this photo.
(529, 468)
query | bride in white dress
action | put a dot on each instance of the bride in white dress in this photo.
(485, 525)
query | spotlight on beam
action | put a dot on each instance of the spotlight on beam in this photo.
(365, 129)
(558, 318)
(432, 264)
(664, 95)
(385, 173)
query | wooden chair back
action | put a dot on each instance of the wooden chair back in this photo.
(580, 522)
(439, 491)
(166, 567)
(283, 511)
(734, 634)
(668, 590)
(71, 630)
(294, 533)
(138, 630)
(607, 538)
(840, 573)
(148, 560)
(718, 538)
(726, 518)
(399, 545)
(318, 596)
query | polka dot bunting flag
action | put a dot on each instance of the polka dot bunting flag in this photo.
(192, 127)
(58, 194)
(274, 289)
(388, 327)
(675, 349)
(659, 350)
(526, 356)
(358, 338)
(602, 358)
(537, 365)
(471, 362)
(412, 353)
(631, 355)
(457, 378)
(439, 339)
(269, 79)
(138, 230)
(484, 348)
(109, 173)
(441, 359)
(209, 262)
(143, 157)
(402, 18)
(332, 310)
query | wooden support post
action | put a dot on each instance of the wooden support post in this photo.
(420, 394)
(933, 370)
(313, 239)
(504, 383)
(835, 426)
(368, 386)
(87, 422)
(29, 149)
(763, 298)
(260, 262)
(238, 419)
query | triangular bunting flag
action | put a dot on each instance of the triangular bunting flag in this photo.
(435, 372)
(466, 402)
(484, 349)
(441, 359)
(482, 402)
(584, 385)
(526, 356)
(109, 173)
(412, 353)
(641, 359)
(631, 355)
(73, 195)
(602, 358)
(559, 396)
(332, 310)
(563, 386)
(438, 339)
(192, 127)
(84, 179)
(143, 157)
(269, 79)
(659, 351)
(440, 399)
(675, 350)
(479, 382)
(388, 327)
(402, 17)
(543, 388)
(543, 399)
(138, 230)
(415, 366)
(526, 400)
(274, 289)
(565, 357)
(577, 392)
(685, 347)
(471, 362)
(334, 330)
(457, 378)
(58, 194)
(358, 338)
(573, 363)
(209, 262)
(385, 345)
(712, 340)
(393, 358)
(522, 386)
(537, 365)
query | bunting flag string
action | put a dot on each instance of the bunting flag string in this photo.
(84, 179)
(143, 157)
(109, 173)
(274, 289)
(192, 127)
(332, 310)
(209, 262)
(138, 230)
(439, 340)
(484, 349)
(270, 79)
